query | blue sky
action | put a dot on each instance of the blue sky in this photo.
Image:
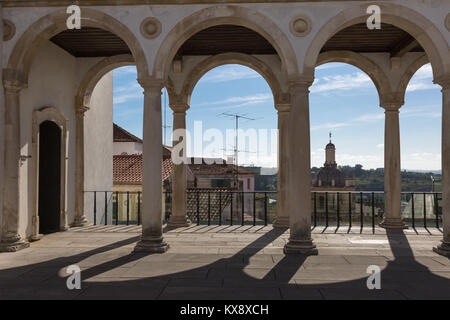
(342, 100)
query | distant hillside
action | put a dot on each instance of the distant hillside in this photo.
(366, 180)
(373, 179)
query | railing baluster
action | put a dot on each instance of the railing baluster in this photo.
(413, 211)
(373, 212)
(265, 208)
(139, 208)
(95, 208)
(106, 208)
(198, 208)
(436, 209)
(116, 211)
(315, 209)
(231, 208)
(254, 208)
(220, 208)
(361, 207)
(424, 210)
(350, 210)
(326, 209)
(128, 208)
(209, 208)
(338, 213)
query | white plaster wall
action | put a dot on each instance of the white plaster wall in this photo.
(98, 146)
(127, 147)
(56, 91)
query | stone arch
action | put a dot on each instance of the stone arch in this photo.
(376, 74)
(418, 26)
(409, 73)
(217, 15)
(232, 58)
(96, 72)
(50, 25)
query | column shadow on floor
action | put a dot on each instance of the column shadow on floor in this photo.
(403, 277)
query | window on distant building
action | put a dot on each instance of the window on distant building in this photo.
(220, 183)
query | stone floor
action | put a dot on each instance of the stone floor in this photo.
(227, 263)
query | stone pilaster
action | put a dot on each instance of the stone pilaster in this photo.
(444, 247)
(299, 166)
(282, 219)
(178, 217)
(80, 218)
(152, 233)
(392, 168)
(11, 239)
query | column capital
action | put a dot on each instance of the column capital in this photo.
(443, 81)
(391, 106)
(81, 109)
(283, 107)
(281, 98)
(300, 82)
(178, 103)
(391, 101)
(151, 86)
(13, 81)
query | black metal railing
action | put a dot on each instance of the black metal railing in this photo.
(330, 209)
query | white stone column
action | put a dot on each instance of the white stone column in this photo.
(282, 219)
(299, 166)
(178, 217)
(392, 169)
(152, 233)
(444, 247)
(80, 218)
(10, 238)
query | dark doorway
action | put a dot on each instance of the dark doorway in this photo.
(49, 177)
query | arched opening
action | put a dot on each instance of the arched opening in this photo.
(347, 154)
(400, 42)
(49, 204)
(421, 143)
(233, 106)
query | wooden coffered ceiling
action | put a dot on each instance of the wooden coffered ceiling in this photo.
(94, 42)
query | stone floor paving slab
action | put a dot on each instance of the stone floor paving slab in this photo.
(226, 262)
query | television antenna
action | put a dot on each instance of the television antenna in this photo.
(235, 150)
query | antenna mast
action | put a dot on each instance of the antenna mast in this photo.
(236, 116)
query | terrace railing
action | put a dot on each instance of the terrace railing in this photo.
(330, 209)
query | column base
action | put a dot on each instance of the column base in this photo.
(178, 222)
(443, 249)
(80, 222)
(13, 244)
(303, 247)
(151, 245)
(36, 237)
(393, 224)
(281, 222)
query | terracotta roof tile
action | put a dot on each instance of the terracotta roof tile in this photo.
(127, 169)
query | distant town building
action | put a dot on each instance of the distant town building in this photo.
(201, 176)
(329, 180)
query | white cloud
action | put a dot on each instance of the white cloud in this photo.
(229, 73)
(380, 145)
(126, 70)
(131, 90)
(370, 117)
(238, 101)
(343, 82)
(422, 80)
